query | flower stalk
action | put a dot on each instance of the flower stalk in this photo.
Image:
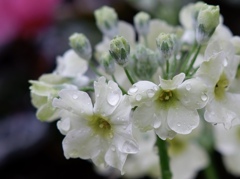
(164, 159)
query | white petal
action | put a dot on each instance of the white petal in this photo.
(157, 26)
(47, 112)
(125, 143)
(115, 158)
(172, 84)
(107, 96)
(197, 160)
(144, 117)
(193, 93)
(77, 102)
(127, 31)
(71, 65)
(70, 121)
(142, 92)
(232, 163)
(121, 115)
(164, 130)
(225, 111)
(185, 16)
(182, 120)
(81, 143)
(210, 70)
(226, 141)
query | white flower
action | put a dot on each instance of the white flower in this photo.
(43, 91)
(102, 132)
(70, 65)
(169, 108)
(184, 149)
(218, 73)
(146, 161)
(227, 142)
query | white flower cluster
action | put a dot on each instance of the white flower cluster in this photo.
(160, 84)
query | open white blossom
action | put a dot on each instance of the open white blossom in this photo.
(170, 107)
(102, 132)
(218, 73)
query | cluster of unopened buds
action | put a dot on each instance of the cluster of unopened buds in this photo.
(147, 94)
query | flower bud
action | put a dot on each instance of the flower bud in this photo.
(119, 50)
(107, 21)
(207, 21)
(145, 62)
(108, 63)
(165, 44)
(81, 45)
(141, 22)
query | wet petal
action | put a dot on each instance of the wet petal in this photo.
(181, 119)
(142, 92)
(115, 158)
(193, 93)
(172, 84)
(77, 102)
(80, 143)
(107, 96)
(144, 117)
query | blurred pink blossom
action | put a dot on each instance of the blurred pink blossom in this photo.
(24, 17)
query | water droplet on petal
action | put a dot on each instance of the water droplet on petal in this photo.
(129, 147)
(156, 121)
(204, 97)
(138, 97)
(150, 93)
(75, 96)
(188, 87)
(113, 149)
(225, 62)
(178, 124)
(133, 89)
(113, 98)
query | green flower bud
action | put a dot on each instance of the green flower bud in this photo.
(207, 21)
(119, 50)
(144, 62)
(165, 44)
(108, 63)
(81, 45)
(141, 22)
(107, 21)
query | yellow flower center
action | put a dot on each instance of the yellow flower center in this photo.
(221, 86)
(101, 126)
(165, 96)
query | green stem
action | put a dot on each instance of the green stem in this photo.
(167, 69)
(164, 159)
(189, 54)
(210, 171)
(94, 69)
(87, 89)
(123, 90)
(193, 60)
(128, 75)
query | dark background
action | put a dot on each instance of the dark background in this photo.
(30, 149)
